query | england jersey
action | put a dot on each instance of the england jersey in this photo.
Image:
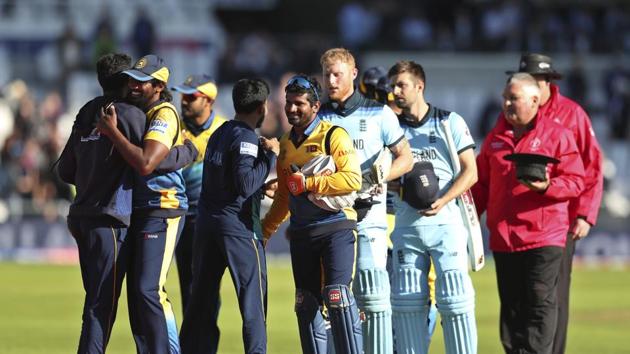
(428, 143)
(372, 126)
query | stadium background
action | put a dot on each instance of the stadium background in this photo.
(48, 48)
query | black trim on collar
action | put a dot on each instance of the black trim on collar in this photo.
(349, 106)
(410, 121)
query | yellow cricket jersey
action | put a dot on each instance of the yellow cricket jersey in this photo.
(162, 194)
(193, 173)
(306, 217)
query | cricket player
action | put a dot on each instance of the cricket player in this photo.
(373, 126)
(429, 225)
(159, 205)
(199, 122)
(228, 232)
(322, 241)
(375, 85)
(101, 212)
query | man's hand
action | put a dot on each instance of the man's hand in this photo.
(270, 188)
(579, 229)
(270, 144)
(536, 186)
(108, 121)
(435, 208)
(296, 182)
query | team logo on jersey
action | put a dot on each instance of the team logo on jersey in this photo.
(432, 137)
(362, 125)
(535, 144)
(150, 236)
(141, 63)
(94, 135)
(158, 126)
(311, 148)
(334, 297)
(249, 149)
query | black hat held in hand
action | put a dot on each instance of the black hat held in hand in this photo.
(531, 167)
(420, 186)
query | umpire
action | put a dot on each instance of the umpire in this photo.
(228, 232)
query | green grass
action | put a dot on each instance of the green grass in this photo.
(41, 312)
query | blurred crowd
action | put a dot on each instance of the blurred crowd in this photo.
(31, 111)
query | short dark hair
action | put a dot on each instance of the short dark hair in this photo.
(313, 93)
(408, 66)
(249, 94)
(109, 68)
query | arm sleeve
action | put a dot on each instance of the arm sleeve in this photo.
(279, 210)
(163, 128)
(347, 178)
(67, 165)
(178, 157)
(480, 189)
(567, 180)
(250, 169)
(461, 134)
(390, 128)
(588, 203)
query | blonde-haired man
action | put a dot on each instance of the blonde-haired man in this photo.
(373, 126)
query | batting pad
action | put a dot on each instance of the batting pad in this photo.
(311, 324)
(344, 319)
(410, 310)
(456, 303)
(372, 293)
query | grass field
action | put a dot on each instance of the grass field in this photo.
(41, 312)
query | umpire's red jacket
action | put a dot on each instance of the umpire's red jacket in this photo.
(571, 116)
(518, 218)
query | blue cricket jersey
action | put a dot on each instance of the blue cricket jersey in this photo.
(428, 143)
(372, 126)
(235, 168)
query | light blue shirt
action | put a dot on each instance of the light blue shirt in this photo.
(428, 143)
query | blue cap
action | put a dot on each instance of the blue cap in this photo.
(198, 83)
(149, 67)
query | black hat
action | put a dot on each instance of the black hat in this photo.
(536, 64)
(531, 167)
(420, 186)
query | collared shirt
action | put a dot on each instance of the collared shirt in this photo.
(234, 170)
(427, 140)
(306, 217)
(372, 126)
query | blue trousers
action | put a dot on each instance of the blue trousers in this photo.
(150, 312)
(245, 259)
(103, 256)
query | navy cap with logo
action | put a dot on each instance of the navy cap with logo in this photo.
(420, 186)
(198, 83)
(149, 67)
(531, 167)
(536, 64)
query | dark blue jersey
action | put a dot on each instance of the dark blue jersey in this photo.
(102, 178)
(235, 168)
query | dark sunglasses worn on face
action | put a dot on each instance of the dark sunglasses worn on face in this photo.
(303, 83)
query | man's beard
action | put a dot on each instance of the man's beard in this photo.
(260, 121)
